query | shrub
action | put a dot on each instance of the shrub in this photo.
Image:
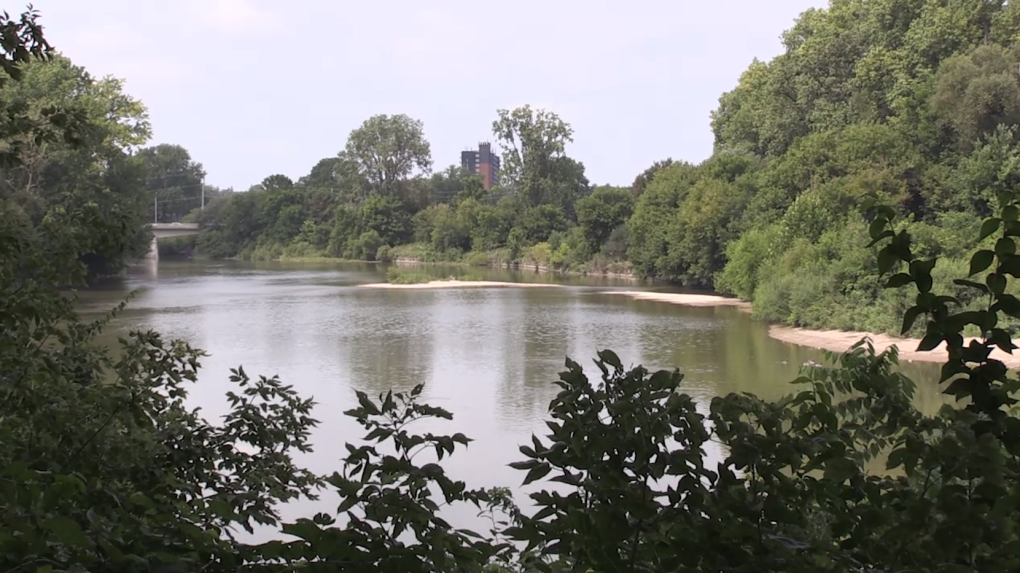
(396, 275)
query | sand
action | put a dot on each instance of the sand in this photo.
(682, 299)
(459, 284)
(840, 341)
(834, 340)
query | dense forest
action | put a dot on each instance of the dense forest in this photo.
(886, 123)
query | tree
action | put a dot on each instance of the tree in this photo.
(654, 213)
(173, 180)
(976, 92)
(387, 150)
(57, 176)
(455, 184)
(533, 144)
(322, 175)
(645, 177)
(277, 182)
(598, 214)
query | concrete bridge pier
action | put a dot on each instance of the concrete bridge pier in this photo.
(160, 230)
(153, 254)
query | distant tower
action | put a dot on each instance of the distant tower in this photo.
(484, 162)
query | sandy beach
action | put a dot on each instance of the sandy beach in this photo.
(834, 340)
(840, 341)
(459, 284)
(682, 299)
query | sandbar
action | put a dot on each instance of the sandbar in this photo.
(841, 340)
(459, 284)
(682, 299)
(834, 340)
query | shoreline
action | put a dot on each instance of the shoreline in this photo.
(828, 339)
(682, 298)
(518, 266)
(841, 340)
(832, 340)
(448, 284)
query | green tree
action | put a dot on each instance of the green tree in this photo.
(277, 182)
(91, 166)
(645, 177)
(322, 175)
(654, 214)
(173, 180)
(533, 143)
(386, 150)
(600, 213)
(976, 92)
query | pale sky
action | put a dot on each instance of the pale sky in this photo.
(256, 87)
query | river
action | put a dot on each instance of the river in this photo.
(487, 355)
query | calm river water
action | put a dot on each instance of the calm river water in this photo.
(488, 355)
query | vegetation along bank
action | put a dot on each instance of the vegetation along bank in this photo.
(921, 117)
(105, 467)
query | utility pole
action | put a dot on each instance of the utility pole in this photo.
(203, 192)
(155, 209)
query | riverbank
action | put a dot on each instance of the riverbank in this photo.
(839, 341)
(442, 284)
(683, 298)
(833, 340)
(521, 266)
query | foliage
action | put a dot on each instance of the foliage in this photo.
(534, 147)
(174, 181)
(602, 212)
(398, 276)
(103, 467)
(386, 150)
(68, 146)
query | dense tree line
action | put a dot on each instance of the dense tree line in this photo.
(379, 199)
(916, 101)
(104, 467)
(868, 98)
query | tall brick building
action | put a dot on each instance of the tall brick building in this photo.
(484, 162)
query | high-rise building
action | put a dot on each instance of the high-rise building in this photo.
(484, 162)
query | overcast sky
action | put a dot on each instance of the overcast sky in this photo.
(256, 87)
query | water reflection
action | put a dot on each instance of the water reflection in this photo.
(488, 355)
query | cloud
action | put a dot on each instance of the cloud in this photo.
(239, 17)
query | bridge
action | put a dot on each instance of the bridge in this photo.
(163, 230)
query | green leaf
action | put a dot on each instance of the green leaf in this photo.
(996, 282)
(538, 472)
(988, 227)
(877, 227)
(1010, 264)
(524, 465)
(840, 469)
(930, 342)
(1005, 246)
(67, 531)
(1008, 304)
(886, 259)
(924, 282)
(1000, 338)
(610, 358)
(981, 261)
(367, 404)
(899, 280)
(910, 317)
(971, 284)
(1010, 213)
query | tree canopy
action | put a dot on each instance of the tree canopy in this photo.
(853, 183)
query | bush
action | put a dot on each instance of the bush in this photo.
(396, 275)
(384, 254)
